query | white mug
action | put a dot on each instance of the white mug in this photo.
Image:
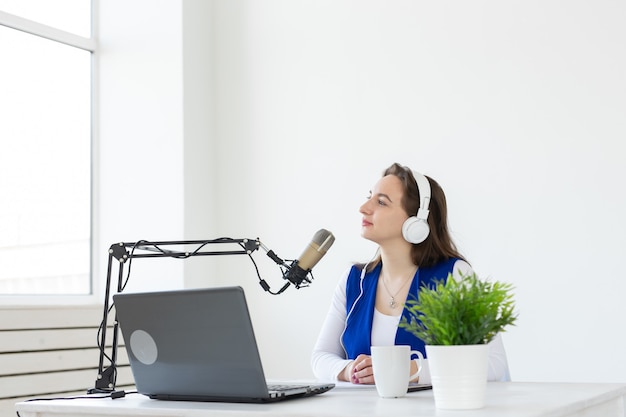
(392, 369)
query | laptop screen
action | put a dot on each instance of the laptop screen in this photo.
(191, 343)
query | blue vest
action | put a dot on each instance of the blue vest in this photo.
(357, 337)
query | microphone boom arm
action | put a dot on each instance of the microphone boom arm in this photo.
(296, 273)
(127, 251)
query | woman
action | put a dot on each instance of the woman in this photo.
(406, 215)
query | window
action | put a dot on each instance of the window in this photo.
(45, 147)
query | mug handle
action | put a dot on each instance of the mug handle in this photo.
(420, 358)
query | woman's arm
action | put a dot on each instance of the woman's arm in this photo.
(328, 359)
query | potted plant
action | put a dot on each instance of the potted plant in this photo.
(456, 318)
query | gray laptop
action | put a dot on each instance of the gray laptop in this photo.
(198, 345)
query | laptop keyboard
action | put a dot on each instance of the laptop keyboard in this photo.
(285, 387)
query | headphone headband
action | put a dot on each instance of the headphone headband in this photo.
(423, 188)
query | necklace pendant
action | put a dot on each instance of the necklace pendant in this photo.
(392, 303)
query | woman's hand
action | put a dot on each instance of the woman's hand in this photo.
(360, 371)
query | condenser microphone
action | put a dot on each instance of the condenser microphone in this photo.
(316, 249)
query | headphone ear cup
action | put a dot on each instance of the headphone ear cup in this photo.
(415, 230)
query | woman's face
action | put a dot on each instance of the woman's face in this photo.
(383, 214)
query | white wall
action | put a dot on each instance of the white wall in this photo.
(139, 186)
(200, 154)
(517, 109)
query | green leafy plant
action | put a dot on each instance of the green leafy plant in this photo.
(467, 311)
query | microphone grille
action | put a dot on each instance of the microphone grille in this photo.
(324, 239)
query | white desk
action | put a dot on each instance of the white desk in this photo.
(511, 399)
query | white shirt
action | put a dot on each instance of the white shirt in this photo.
(329, 357)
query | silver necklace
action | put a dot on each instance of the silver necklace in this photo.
(392, 297)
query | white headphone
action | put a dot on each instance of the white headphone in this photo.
(415, 229)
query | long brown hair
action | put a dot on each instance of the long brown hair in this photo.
(438, 246)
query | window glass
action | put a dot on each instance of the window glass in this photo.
(72, 16)
(45, 164)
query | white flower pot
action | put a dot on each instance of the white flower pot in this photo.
(459, 375)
